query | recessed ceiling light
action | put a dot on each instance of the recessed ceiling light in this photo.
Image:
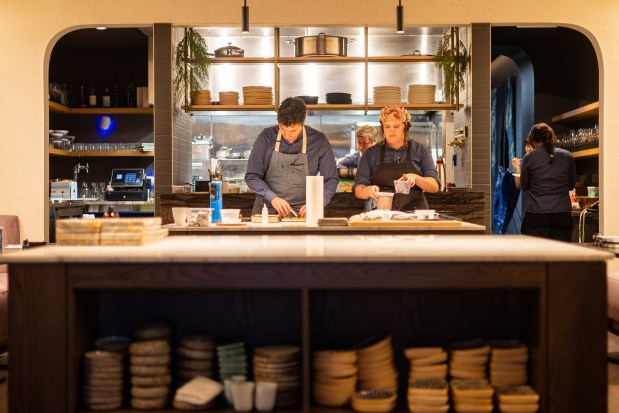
(101, 28)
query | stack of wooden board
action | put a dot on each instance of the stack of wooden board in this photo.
(114, 231)
(78, 231)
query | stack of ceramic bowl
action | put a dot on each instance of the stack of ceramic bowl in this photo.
(201, 97)
(517, 399)
(102, 380)
(376, 370)
(472, 396)
(281, 365)
(229, 98)
(335, 377)
(150, 366)
(309, 100)
(257, 95)
(374, 401)
(428, 396)
(195, 357)
(427, 363)
(334, 98)
(468, 359)
(421, 94)
(387, 95)
(508, 362)
(232, 360)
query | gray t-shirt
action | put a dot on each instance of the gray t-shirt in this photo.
(548, 184)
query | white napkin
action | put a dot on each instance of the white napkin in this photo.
(200, 390)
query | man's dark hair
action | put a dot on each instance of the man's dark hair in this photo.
(291, 112)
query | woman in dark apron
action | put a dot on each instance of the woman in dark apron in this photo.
(396, 158)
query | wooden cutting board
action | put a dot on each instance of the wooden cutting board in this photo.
(420, 223)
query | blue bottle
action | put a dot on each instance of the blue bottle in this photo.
(216, 200)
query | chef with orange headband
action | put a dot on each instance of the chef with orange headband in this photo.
(396, 158)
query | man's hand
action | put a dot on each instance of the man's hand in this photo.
(282, 207)
(303, 211)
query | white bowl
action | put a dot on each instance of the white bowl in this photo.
(230, 216)
(425, 213)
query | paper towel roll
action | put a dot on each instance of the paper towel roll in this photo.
(314, 200)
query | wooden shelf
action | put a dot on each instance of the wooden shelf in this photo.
(218, 60)
(316, 59)
(587, 153)
(401, 59)
(585, 112)
(61, 109)
(213, 108)
(320, 106)
(62, 152)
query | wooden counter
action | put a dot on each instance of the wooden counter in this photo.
(317, 292)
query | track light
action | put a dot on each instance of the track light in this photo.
(400, 21)
(245, 17)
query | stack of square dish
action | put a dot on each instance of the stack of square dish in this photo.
(201, 97)
(229, 98)
(335, 377)
(232, 360)
(421, 94)
(387, 95)
(427, 363)
(373, 401)
(472, 396)
(468, 359)
(508, 362)
(257, 95)
(426, 396)
(281, 365)
(376, 368)
(517, 399)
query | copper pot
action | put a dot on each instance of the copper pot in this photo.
(229, 51)
(321, 45)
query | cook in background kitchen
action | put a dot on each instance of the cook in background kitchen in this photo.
(277, 168)
(366, 138)
(393, 158)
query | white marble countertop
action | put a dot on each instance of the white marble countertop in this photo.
(317, 248)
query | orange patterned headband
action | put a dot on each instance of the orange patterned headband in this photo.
(394, 113)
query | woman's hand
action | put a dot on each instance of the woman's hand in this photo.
(410, 179)
(516, 165)
(282, 207)
(303, 211)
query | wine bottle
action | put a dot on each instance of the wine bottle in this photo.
(105, 101)
(115, 94)
(82, 97)
(131, 103)
(92, 98)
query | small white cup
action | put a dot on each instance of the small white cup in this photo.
(425, 213)
(180, 216)
(243, 395)
(265, 396)
(228, 386)
(385, 200)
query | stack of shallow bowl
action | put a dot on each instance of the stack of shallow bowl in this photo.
(201, 97)
(335, 377)
(281, 365)
(102, 380)
(257, 95)
(517, 399)
(421, 94)
(335, 98)
(387, 95)
(376, 368)
(508, 362)
(468, 359)
(428, 396)
(229, 98)
(374, 401)
(472, 396)
(427, 363)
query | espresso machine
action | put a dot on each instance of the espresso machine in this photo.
(128, 185)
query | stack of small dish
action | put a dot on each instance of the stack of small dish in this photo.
(201, 97)
(468, 359)
(427, 363)
(421, 94)
(232, 360)
(334, 98)
(374, 401)
(335, 377)
(196, 356)
(102, 380)
(517, 399)
(229, 98)
(376, 368)
(508, 362)
(257, 95)
(428, 396)
(472, 396)
(281, 365)
(387, 95)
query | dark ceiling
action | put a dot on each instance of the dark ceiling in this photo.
(93, 39)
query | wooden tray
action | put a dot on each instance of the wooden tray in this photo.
(395, 223)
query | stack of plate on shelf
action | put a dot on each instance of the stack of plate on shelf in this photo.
(146, 147)
(102, 380)
(472, 396)
(373, 401)
(421, 94)
(387, 95)
(335, 377)
(281, 365)
(201, 97)
(427, 363)
(428, 396)
(257, 95)
(195, 357)
(335, 98)
(78, 231)
(518, 399)
(228, 98)
(508, 362)
(232, 360)
(376, 368)
(131, 231)
(468, 359)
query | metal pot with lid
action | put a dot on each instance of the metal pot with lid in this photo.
(320, 45)
(229, 51)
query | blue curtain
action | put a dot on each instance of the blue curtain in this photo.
(505, 194)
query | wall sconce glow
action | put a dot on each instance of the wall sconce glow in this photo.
(101, 28)
(105, 125)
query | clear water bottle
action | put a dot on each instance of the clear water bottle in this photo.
(216, 200)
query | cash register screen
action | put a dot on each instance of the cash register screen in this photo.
(127, 177)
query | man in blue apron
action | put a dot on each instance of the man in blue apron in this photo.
(283, 156)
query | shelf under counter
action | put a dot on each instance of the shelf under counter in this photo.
(62, 152)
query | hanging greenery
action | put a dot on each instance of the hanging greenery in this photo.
(192, 64)
(452, 57)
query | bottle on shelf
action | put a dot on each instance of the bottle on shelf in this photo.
(92, 98)
(105, 101)
(115, 94)
(83, 101)
(131, 102)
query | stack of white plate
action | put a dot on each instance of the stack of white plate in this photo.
(257, 95)
(228, 98)
(201, 97)
(421, 94)
(388, 95)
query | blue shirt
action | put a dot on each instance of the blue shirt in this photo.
(319, 157)
(420, 157)
(351, 161)
(548, 184)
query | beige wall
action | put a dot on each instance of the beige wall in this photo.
(28, 30)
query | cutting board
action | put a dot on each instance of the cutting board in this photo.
(421, 223)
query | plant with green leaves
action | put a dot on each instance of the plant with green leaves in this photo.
(192, 64)
(452, 57)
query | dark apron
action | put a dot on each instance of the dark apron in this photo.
(386, 173)
(286, 177)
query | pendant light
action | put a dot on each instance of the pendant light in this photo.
(400, 18)
(245, 8)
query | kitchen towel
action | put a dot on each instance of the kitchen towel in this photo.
(314, 201)
(200, 390)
